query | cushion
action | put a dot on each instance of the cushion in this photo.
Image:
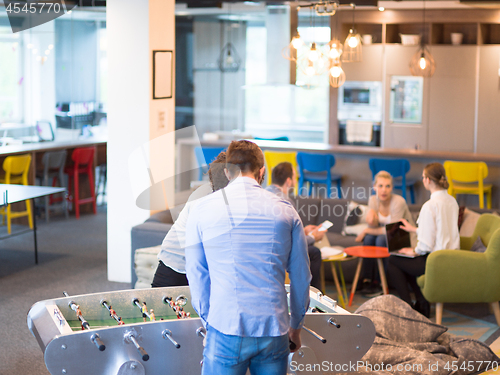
(469, 223)
(355, 220)
(478, 246)
(391, 317)
(145, 264)
(461, 211)
(354, 216)
(354, 230)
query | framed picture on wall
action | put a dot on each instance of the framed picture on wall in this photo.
(162, 74)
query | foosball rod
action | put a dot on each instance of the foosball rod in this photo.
(137, 303)
(169, 301)
(108, 307)
(95, 339)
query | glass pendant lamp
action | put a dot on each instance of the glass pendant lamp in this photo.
(422, 63)
(352, 44)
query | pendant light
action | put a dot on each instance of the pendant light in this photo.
(229, 60)
(422, 63)
(336, 74)
(352, 44)
(290, 52)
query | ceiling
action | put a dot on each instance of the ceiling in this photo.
(219, 4)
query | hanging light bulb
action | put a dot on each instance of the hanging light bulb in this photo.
(310, 71)
(313, 54)
(352, 44)
(297, 41)
(352, 47)
(335, 49)
(422, 63)
(337, 75)
(352, 41)
(335, 71)
(229, 58)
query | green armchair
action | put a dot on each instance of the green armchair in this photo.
(456, 276)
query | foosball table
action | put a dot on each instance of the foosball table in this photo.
(156, 331)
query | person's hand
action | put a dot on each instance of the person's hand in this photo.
(407, 251)
(317, 234)
(361, 236)
(294, 336)
(309, 228)
(407, 226)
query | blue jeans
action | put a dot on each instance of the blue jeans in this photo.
(233, 355)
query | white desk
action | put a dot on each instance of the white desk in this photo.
(17, 193)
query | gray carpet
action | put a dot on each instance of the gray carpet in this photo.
(72, 258)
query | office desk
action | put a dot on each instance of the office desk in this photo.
(38, 149)
(19, 193)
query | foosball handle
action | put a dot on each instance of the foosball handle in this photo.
(167, 334)
(97, 341)
(333, 322)
(201, 332)
(144, 354)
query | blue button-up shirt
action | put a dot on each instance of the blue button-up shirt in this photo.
(239, 242)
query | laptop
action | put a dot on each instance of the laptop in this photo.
(397, 238)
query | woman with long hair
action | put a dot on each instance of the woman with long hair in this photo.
(437, 230)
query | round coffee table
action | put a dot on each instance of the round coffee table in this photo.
(361, 252)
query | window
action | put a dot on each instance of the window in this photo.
(11, 77)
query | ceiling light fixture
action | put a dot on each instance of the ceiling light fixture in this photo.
(422, 63)
(352, 44)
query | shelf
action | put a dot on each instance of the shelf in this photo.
(374, 29)
(490, 33)
(433, 33)
(441, 32)
(393, 31)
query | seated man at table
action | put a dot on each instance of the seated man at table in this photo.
(283, 180)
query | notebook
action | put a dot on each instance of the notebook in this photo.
(397, 238)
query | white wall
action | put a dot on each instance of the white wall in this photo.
(133, 31)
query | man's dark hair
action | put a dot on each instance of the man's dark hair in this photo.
(216, 174)
(281, 173)
(244, 156)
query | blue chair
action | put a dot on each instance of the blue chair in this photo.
(398, 168)
(316, 169)
(204, 156)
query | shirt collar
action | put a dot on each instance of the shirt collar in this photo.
(245, 180)
(439, 192)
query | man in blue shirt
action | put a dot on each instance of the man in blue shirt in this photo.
(239, 243)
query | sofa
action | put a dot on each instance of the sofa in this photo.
(148, 236)
(469, 275)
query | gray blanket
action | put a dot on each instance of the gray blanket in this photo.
(409, 343)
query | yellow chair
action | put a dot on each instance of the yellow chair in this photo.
(16, 172)
(467, 178)
(273, 158)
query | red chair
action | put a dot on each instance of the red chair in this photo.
(83, 159)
